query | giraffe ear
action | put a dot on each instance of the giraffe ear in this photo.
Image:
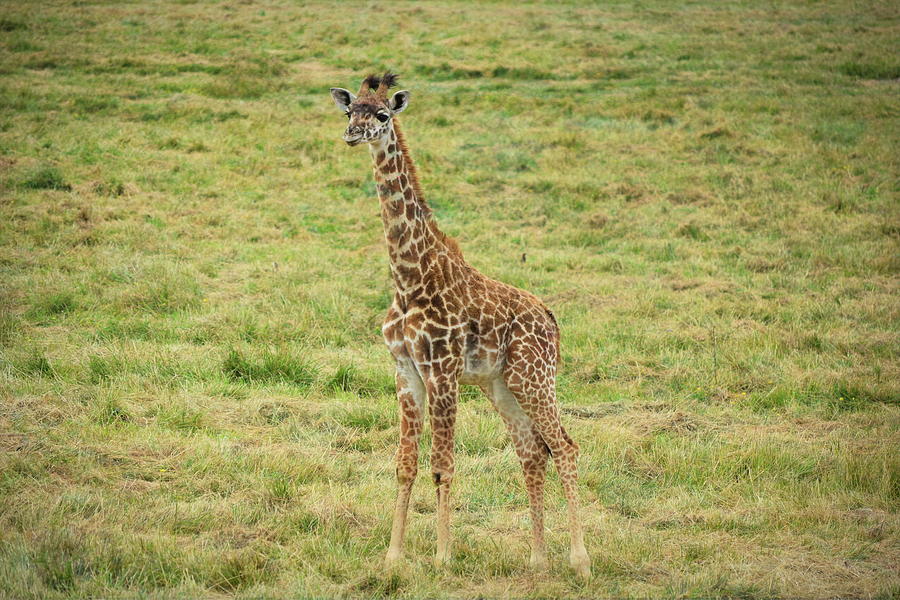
(343, 98)
(399, 101)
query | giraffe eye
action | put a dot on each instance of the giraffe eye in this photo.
(382, 117)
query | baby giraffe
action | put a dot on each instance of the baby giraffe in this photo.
(449, 325)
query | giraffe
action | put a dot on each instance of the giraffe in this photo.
(450, 325)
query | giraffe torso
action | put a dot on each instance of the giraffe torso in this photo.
(466, 327)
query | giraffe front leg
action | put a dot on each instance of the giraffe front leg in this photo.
(442, 398)
(411, 397)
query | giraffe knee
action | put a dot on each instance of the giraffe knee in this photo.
(406, 473)
(407, 466)
(442, 467)
(563, 446)
(441, 477)
(560, 447)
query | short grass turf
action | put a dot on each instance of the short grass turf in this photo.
(194, 396)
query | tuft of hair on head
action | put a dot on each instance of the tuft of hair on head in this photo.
(369, 83)
(388, 81)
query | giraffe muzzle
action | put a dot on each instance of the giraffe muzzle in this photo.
(353, 136)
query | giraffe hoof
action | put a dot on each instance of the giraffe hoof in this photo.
(441, 559)
(539, 562)
(581, 565)
(392, 559)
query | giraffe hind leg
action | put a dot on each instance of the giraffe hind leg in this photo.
(533, 454)
(537, 399)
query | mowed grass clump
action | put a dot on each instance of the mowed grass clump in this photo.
(37, 364)
(272, 366)
(195, 398)
(871, 70)
(45, 177)
(348, 378)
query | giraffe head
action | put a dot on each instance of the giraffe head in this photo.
(370, 111)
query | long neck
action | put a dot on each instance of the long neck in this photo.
(411, 234)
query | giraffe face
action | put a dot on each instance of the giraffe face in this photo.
(369, 115)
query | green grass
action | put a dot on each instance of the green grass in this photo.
(45, 178)
(196, 401)
(277, 367)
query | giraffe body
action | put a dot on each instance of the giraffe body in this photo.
(449, 325)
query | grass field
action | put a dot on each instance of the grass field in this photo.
(195, 400)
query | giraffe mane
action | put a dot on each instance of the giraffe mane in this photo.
(413, 173)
